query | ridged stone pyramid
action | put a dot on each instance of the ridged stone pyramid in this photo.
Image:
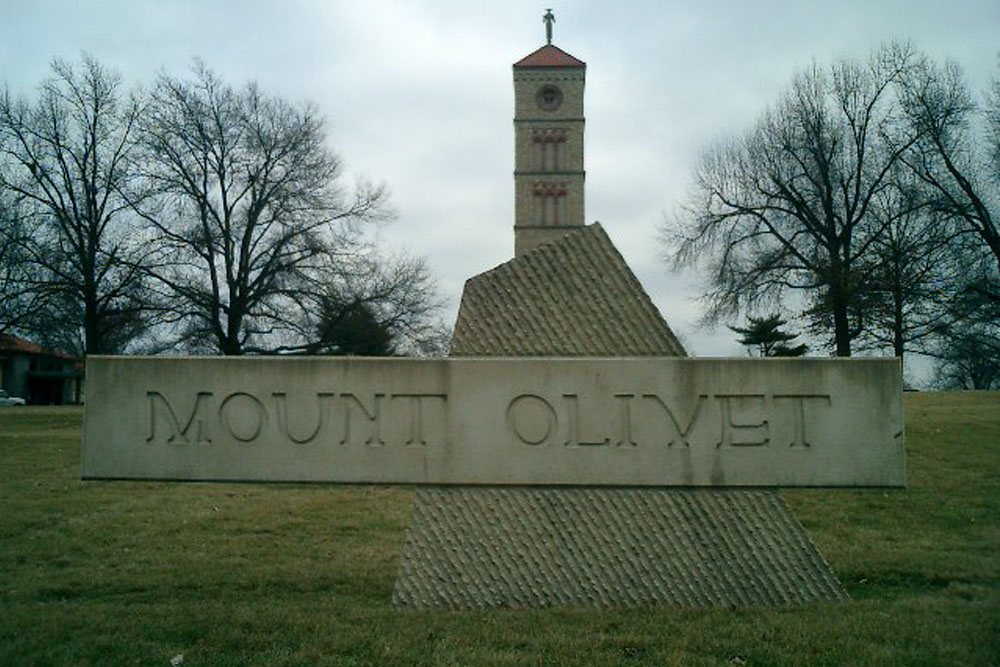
(482, 547)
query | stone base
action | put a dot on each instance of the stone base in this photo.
(481, 547)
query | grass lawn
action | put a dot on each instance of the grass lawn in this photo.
(122, 573)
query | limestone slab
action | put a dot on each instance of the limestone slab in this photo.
(470, 548)
(578, 422)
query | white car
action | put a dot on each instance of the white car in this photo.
(6, 400)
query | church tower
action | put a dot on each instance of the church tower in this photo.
(548, 145)
(567, 292)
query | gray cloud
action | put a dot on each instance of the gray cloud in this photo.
(419, 94)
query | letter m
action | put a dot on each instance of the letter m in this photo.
(162, 416)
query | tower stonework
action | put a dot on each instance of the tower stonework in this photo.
(548, 147)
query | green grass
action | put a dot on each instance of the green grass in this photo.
(123, 573)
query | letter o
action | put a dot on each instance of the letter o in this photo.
(531, 418)
(256, 408)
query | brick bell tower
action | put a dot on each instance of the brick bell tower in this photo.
(548, 144)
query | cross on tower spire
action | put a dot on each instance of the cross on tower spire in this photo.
(548, 20)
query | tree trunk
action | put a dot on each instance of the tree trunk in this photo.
(841, 328)
(230, 346)
(839, 300)
(91, 337)
(92, 343)
(897, 320)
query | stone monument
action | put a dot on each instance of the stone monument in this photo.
(568, 292)
(568, 452)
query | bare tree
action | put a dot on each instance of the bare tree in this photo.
(956, 164)
(372, 303)
(916, 271)
(250, 210)
(958, 155)
(786, 207)
(64, 162)
(969, 357)
(398, 291)
(17, 302)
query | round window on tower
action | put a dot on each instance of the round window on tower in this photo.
(549, 97)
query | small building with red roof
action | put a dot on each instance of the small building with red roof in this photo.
(39, 375)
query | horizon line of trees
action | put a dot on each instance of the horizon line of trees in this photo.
(864, 204)
(196, 216)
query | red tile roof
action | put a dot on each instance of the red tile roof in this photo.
(549, 56)
(9, 343)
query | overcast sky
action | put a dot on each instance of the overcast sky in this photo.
(419, 94)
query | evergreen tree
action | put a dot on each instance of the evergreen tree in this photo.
(354, 330)
(765, 334)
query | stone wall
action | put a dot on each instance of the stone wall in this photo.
(618, 422)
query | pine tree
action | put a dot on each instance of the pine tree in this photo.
(765, 334)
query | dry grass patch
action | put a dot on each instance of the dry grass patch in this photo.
(104, 573)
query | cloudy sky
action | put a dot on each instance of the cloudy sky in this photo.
(418, 93)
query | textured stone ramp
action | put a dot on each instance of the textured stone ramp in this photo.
(479, 547)
(571, 297)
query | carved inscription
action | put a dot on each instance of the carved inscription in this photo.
(570, 420)
(743, 422)
(679, 433)
(531, 418)
(567, 420)
(162, 416)
(641, 422)
(798, 412)
(633, 420)
(346, 419)
(250, 416)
